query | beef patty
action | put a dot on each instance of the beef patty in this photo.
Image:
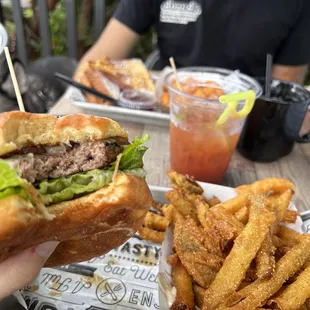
(60, 161)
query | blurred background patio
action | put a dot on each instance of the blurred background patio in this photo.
(58, 29)
(57, 14)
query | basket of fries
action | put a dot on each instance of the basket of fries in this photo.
(229, 248)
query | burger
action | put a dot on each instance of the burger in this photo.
(75, 179)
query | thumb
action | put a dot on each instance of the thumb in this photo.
(19, 270)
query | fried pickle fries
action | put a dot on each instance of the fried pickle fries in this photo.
(257, 293)
(188, 242)
(155, 221)
(240, 257)
(182, 281)
(237, 253)
(183, 205)
(151, 234)
(179, 181)
(296, 294)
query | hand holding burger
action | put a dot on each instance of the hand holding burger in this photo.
(75, 180)
(22, 268)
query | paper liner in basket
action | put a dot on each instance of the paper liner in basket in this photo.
(125, 278)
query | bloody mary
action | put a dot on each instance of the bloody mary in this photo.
(204, 155)
(200, 145)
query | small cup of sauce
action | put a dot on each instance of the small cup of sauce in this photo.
(137, 99)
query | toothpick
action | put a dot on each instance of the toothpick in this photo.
(14, 79)
(118, 160)
(174, 68)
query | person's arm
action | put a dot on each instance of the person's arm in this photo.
(116, 42)
(293, 57)
(295, 74)
(131, 19)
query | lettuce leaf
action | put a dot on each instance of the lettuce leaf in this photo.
(8, 177)
(63, 189)
(19, 191)
(133, 154)
(10, 182)
(77, 185)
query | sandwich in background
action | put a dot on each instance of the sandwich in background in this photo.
(111, 77)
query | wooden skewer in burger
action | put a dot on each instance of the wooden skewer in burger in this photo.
(75, 179)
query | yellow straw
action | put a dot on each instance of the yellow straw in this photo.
(232, 102)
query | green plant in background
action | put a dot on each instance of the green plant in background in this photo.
(10, 26)
(57, 22)
(57, 25)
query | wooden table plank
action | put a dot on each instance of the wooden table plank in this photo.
(235, 177)
(239, 162)
(157, 158)
(294, 167)
(267, 170)
(305, 147)
(241, 171)
(133, 129)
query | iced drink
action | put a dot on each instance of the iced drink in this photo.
(198, 146)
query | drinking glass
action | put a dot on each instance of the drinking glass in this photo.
(198, 146)
(276, 122)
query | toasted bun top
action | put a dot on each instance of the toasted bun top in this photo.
(20, 129)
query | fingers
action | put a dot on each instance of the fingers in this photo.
(22, 268)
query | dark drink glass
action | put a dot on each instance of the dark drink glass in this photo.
(273, 126)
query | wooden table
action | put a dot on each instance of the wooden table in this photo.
(295, 167)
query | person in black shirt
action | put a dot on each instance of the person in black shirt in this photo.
(221, 33)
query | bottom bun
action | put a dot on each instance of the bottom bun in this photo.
(97, 223)
(19, 221)
(91, 225)
(79, 250)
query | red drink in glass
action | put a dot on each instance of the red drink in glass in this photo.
(198, 146)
